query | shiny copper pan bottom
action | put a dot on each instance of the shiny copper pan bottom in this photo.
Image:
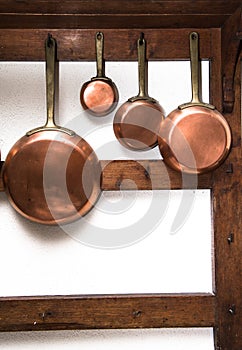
(194, 140)
(99, 97)
(136, 124)
(51, 177)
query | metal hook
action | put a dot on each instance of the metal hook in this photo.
(141, 38)
(49, 37)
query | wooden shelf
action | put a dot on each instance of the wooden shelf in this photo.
(54, 14)
(107, 311)
(79, 45)
(24, 26)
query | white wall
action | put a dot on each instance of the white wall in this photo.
(49, 261)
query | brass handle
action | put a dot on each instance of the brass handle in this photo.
(50, 59)
(143, 73)
(99, 55)
(142, 67)
(195, 75)
(194, 67)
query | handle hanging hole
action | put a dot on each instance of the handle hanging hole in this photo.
(49, 42)
(141, 38)
(194, 36)
(99, 36)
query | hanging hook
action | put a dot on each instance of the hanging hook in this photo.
(141, 38)
(49, 37)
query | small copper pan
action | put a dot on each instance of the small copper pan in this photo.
(195, 138)
(51, 175)
(99, 96)
(136, 122)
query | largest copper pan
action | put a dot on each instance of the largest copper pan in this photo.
(51, 175)
(195, 138)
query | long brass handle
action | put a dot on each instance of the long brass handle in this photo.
(50, 58)
(194, 67)
(195, 75)
(142, 67)
(143, 73)
(99, 55)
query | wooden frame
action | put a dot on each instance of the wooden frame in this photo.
(220, 29)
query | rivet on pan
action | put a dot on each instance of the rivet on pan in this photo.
(230, 238)
(232, 310)
(230, 169)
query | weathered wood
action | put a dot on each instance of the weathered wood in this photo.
(102, 21)
(119, 311)
(227, 230)
(115, 14)
(148, 175)
(179, 7)
(231, 47)
(120, 45)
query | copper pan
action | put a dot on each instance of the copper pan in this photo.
(195, 138)
(51, 175)
(99, 96)
(137, 121)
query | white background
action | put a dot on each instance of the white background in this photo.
(38, 260)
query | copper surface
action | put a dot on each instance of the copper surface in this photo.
(99, 96)
(194, 140)
(51, 177)
(136, 124)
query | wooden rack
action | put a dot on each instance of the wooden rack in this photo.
(24, 25)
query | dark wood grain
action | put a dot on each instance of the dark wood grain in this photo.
(148, 175)
(146, 7)
(119, 311)
(227, 201)
(120, 45)
(115, 14)
(231, 47)
(103, 21)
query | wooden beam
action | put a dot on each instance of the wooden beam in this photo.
(107, 311)
(178, 7)
(227, 218)
(231, 48)
(113, 21)
(115, 14)
(148, 175)
(120, 45)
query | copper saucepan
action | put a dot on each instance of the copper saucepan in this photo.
(137, 121)
(99, 96)
(51, 175)
(195, 138)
